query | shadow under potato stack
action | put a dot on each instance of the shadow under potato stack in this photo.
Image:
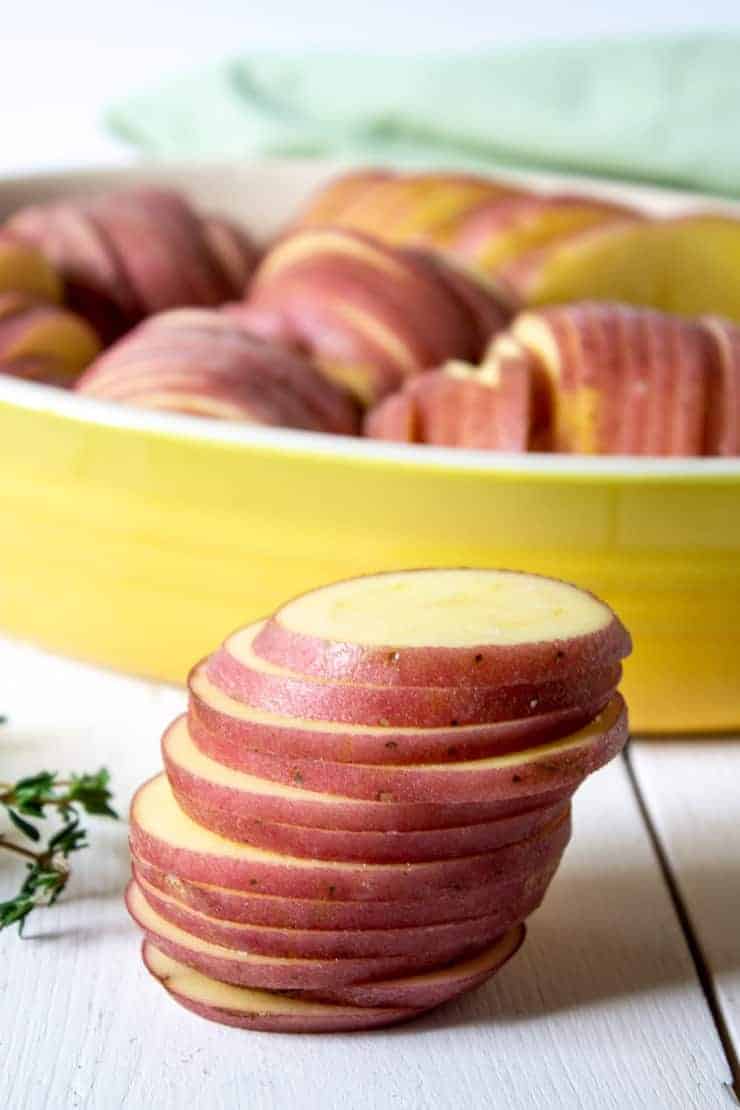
(370, 793)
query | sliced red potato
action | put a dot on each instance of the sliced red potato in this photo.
(620, 379)
(249, 969)
(484, 407)
(25, 269)
(688, 264)
(369, 315)
(723, 402)
(432, 988)
(418, 207)
(210, 794)
(35, 334)
(445, 628)
(326, 206)
(501, 229)
(206, 363)
(274, 800)
(488, 304)
(159, 242)
(36, 368)
(329, 914)
(236, 726)
(260, 1010)
(560, 765)
(126, 254)
(163, 835)
(95, 284)
(233, 250)
(394, 418)
(440, 943)
(242, 674)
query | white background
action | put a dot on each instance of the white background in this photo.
(61, 63)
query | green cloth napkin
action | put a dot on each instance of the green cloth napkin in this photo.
(663, 109)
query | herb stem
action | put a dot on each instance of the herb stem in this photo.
(11, 847)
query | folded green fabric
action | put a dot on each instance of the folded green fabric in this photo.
(662, 109)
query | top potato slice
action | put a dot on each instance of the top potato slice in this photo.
(460, 627)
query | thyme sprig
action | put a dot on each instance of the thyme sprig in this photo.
(47, 866)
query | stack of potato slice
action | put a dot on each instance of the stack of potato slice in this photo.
(370, 793)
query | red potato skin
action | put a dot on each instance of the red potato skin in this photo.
(440, 943)
(159, 240)
(126, 254)
(195, 356)
(319, 914)
(485, 665)
(351, 882)
(236, 254)
(37, 368)
(328, 203)
(345, 1022)
(630, 380)
(441, 745)
(95, 284)
(504, 214)
(297, 1023)
(208, 808)
(489, 309)
(722, 433)
(206, 334)
(309, 301)
(282, 972)
(395, 419)
(649, 369)
(323, 301)
(419, 994)
(555, 770)
(442, 410)
(334, 811)
(286, 973)
(294, 695)
(407, 291)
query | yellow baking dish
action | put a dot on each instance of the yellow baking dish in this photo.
(138, 539)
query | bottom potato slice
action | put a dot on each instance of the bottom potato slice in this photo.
(431, 988)
(381, 1003)
(260, 1010)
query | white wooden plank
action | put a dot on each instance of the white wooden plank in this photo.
(600, 1010)
(692, 791)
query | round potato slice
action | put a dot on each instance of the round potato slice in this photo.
(459, 627)
(163, 835)
(245, 676)
(258, 1009)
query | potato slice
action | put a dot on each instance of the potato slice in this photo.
(723, 405)
(441, 943)
(464, 627)
(163, 835)
(689, 265)
(501, 230)
(262, 1010)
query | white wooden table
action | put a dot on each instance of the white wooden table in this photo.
(626, 994)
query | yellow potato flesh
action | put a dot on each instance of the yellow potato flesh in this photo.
(446, 608)
(689, 266)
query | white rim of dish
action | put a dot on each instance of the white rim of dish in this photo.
(35, 397)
